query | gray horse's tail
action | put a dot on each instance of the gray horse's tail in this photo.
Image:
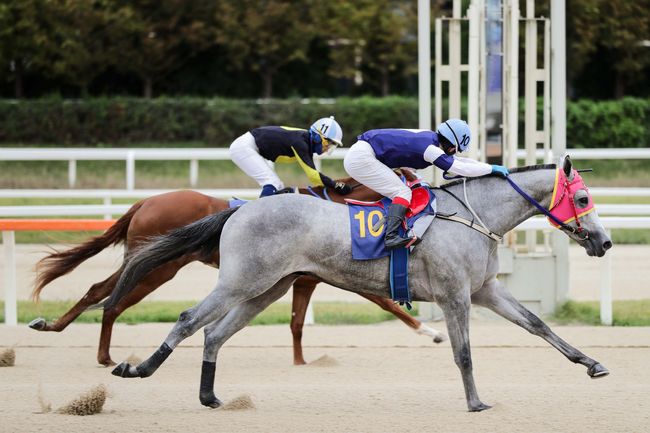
(201, 237)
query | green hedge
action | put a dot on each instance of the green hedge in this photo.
(126, 121)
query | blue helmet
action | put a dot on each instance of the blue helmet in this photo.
(456, 131)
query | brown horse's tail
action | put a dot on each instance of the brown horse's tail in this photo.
(60, 263)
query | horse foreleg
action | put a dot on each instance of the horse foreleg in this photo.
(154, 280)
(412, 322)
(496, 297)
(456, 312)
(96, 293)
(217, 333)
(303, 288)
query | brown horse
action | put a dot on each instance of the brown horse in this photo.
(158, 215)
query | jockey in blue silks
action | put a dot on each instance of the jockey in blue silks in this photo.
(377, 151)
(252, 150)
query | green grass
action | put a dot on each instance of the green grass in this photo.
(625, 313)
(325, 313)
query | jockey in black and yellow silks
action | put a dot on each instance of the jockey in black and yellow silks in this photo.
(286, 144)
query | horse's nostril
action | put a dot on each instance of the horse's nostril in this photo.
(607, 245)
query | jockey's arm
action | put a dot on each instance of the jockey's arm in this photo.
(306, 162)
(461, 166)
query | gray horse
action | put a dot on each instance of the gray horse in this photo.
(268, 243)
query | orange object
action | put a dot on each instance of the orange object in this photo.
(55, 224)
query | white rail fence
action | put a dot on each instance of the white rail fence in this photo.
(194, 155)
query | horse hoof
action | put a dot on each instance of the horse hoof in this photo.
(212, 402)
(597, 371)
(124, 370)
(439, 338)
(107, 363)
(479, 407)
(39, 324)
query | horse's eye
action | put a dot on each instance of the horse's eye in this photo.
(581, 199)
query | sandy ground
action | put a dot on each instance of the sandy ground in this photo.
(377, 378)
(630, 273)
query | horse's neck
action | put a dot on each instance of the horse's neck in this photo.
(498, 205)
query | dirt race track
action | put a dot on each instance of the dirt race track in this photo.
(375, 378)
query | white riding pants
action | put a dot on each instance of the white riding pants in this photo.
(244, 153)
(362, 164)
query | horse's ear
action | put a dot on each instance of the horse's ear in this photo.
(567, 166)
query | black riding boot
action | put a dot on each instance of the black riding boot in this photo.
(395, 218)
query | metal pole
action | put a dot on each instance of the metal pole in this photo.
(424, 64)
(11, 310)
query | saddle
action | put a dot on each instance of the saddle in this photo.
(420, 199)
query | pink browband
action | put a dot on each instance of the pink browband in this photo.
(562, 205)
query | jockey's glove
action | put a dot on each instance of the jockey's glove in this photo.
(342, 188)
(500, 170)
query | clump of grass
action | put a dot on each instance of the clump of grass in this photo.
(8, 358)
(89, 403)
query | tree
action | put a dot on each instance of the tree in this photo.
(83, 48)
(380, 35)
(264, 35)
(24, 37)
(156, 37)
(624, 25)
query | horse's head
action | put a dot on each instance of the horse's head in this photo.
(572, 205)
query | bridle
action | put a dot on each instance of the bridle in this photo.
(562, 203)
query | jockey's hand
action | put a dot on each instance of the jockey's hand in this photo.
(342, 188)
(500, 170)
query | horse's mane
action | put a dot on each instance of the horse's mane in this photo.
(511, 170)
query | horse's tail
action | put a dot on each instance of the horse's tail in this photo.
(200, 236)
(60, 263)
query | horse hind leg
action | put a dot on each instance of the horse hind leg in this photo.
(154, 280)
(498, 299)
(217, 333)
(225, 296)
(95, 294)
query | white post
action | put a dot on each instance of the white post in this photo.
(473, 101)
(558, 132)
(130, 170)
(309, 314)
(72, 173)
(511, 81)
(424, 64)
(530, 97)
(107, 202)
(194, 172)
(606, 288)
(11, 310)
